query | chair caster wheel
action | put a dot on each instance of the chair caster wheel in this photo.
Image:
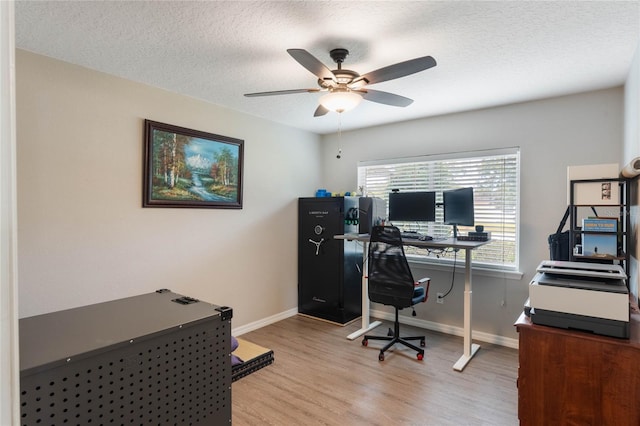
(365, 342)
(423, 343)
(381, 357)
(420, 356)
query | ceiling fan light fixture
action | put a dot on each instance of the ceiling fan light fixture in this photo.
(340, 100)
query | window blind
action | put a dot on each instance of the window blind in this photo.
(494, 176)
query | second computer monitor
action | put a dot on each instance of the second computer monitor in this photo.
(458, 207)
(412, 206)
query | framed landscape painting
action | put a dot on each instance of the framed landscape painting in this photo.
(190, 168)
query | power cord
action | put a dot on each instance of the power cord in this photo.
(364, 261)
(437, 252)
(453, 274)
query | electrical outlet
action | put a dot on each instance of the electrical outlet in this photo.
(440, 298)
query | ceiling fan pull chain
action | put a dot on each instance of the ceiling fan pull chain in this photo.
(339, 137)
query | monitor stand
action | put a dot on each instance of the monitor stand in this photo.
(455, 231)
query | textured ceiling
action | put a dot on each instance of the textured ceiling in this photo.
(488, 53)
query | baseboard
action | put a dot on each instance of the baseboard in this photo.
(239, 331)
(448, 329)
(429, 325)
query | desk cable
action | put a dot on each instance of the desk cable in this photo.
(360, 271)
(436, 251)
(453, 274)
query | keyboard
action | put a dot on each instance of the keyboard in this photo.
(415, 236)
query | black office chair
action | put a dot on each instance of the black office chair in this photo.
(391, 283)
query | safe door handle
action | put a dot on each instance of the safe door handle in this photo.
(317, 244)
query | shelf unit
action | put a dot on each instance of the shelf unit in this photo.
(589, 198)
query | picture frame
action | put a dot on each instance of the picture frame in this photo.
(187, 168)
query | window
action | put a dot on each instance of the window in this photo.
(494, 176)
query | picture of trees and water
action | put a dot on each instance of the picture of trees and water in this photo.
(189, 168)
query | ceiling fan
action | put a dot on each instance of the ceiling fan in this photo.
(346, 88)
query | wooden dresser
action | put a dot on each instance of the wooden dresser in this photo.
(570, 377)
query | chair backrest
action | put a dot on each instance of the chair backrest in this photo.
(390, 279)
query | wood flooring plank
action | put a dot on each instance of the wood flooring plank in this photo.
(320, 378)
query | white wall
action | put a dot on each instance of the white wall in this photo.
(83, 235)
(631, 151)
(552, 134)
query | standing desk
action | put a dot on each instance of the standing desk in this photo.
(470, 348)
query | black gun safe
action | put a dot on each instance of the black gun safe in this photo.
(158, 358)
(329, 270)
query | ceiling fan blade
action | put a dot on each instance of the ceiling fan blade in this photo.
(394, 71)
(385, 98)
(281, 92)
(320, 111)
(311, 63)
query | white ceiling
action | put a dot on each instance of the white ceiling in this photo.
(488, 53)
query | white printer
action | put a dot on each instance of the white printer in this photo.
(585, 296)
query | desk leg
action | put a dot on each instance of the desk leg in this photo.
(366, 326)
(470, 348)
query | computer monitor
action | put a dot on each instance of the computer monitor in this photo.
(458, 208)
(372, 212)
(412, 206)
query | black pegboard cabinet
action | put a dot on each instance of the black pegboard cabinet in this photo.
(155, 359)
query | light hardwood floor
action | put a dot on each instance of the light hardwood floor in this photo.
(321, 378)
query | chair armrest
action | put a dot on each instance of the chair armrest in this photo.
(426, 287)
